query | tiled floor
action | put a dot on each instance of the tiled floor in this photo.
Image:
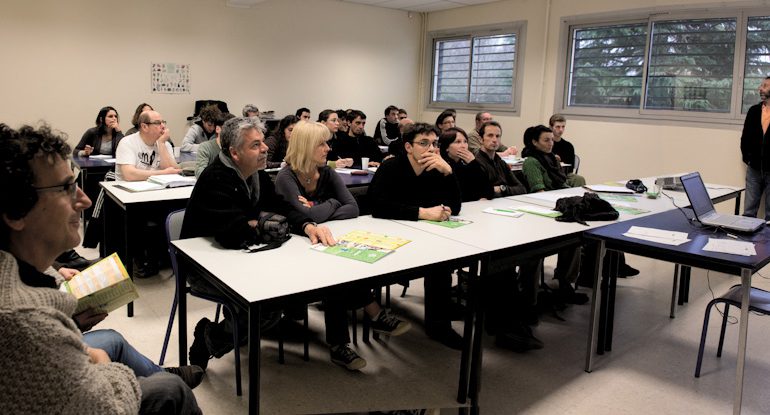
(650, 369)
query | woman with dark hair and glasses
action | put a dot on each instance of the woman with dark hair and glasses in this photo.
(453, 145)
(446, 120)
(278, 141)
(104, 137)
(135, 119)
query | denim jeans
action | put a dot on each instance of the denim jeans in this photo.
(119, 350)
(757, 182)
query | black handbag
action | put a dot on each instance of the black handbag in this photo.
(584, 208)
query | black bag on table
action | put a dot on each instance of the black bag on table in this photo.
(584, 208)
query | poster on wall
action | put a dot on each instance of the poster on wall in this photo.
(170, 78)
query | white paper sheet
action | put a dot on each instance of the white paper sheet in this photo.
(503, 212)
(608, 189)
(730, 246)
(660, 236)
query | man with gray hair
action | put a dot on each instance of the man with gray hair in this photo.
(475, 140)
(250, 110)
(227, 203)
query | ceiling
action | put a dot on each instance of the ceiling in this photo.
(420, 5)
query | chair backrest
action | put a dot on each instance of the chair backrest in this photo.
(173, 230)
(576, 166)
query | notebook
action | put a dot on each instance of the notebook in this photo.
(704, 209)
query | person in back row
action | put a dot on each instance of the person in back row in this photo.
(419, 184)
(228, 201)
(47, 365)
(331, 120)
(387, 129)
(209, 151)
(356, 144)
(311, 187)
(278, 141)
(303, 114)
(201, 131)
(135, 119)
(474, 138)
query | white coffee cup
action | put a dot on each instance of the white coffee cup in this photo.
(177, 152)
(364, 163)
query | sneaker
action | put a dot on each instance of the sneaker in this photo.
(343, 355)
(390, 325)
(191, 375)
(627, 271)
(199, 352)
(519, 339)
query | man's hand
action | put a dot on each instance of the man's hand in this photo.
(319, 233)
(434, 161)
(557, 157)
(87, 150)
(438, 213)
(170, 170)
(97, 356)
(465, 155)
(342, 163)
(87, 319)
(165, 136)
(68, 273)
(511, 151)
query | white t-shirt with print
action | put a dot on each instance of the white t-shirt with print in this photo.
(133, 151)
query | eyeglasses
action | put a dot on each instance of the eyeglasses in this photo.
(157, 122)
(426, 143)
(70, 188)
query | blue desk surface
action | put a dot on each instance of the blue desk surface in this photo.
(690, 253)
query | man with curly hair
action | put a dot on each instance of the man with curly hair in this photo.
(201, 131)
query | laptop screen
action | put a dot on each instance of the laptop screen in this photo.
(696, 192)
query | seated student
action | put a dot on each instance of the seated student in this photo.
(472, 179)
(343, 129)
(331, 120)
(543, 173)
(419, 184)
(47, 366)
(201, 131)
(445, 120)
(356, 144)
(139, 156)
(209, 151)
(498, 173)
(135, 119)
(474, 138)
(250, 110)
(102, 139)
(303, 114)
(402, 114)
(387, 129)
(310, 186)
(226, 203)
(279, 141)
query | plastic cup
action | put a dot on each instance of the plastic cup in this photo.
(364, 163)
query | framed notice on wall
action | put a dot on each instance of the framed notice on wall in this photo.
(170, 78)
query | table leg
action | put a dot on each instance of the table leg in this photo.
(738, 204)
(674, 290)
(612, 287)
(254, 357)
(743, 334)
(128, 260)
(593, 326)
(472, 302)
(181, 290)
(476, 354)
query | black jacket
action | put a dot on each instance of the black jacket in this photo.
(221, 206)
(753, 140)
(498, 172)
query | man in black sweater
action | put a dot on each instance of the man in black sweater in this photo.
(355, 144)
(419, 184)
(755, 154)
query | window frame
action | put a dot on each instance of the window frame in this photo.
(734, 117)
(516, 28)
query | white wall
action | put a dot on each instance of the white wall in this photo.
(63, 60)
(608, 149)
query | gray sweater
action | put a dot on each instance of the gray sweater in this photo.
(45, 366)
(331, 198)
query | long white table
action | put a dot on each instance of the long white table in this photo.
(249, 279)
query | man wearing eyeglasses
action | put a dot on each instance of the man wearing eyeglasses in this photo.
(418, 184)
(146, 152)
(48, 365)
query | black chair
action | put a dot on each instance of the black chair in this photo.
(576, 166)
(759, 302)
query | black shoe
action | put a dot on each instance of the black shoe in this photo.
(71, 259)
(390, 325)
(519, 340)
(145, 270)
(627, 271)
(456, 312)
(191, 375)
(570, 296)
(343, 355)
(199, 352)
(448, 337)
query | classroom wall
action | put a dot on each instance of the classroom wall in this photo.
(608, 149)
(63, 60)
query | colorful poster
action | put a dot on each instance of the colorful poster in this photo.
(170, 78)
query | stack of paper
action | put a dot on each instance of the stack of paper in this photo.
(729, 246)
(657, 235)
(157, 182)
(363, 246)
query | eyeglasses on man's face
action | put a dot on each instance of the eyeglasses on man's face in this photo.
(156, 122)
(426, 143)
(71, 189)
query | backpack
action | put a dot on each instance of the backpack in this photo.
(584, 208)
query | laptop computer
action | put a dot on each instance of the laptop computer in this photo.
(704, 209)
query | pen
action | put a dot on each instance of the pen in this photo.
(506, 211)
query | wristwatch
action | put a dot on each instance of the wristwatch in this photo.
(503, 188)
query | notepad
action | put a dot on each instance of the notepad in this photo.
(510, 212)
(158, 182)
(104, 286)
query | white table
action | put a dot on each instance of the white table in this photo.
(249, 278)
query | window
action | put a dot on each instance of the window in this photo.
(475, 69)
(700, 68)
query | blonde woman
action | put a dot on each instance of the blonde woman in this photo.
(313, 188)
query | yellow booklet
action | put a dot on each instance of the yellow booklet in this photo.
(104, 286)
